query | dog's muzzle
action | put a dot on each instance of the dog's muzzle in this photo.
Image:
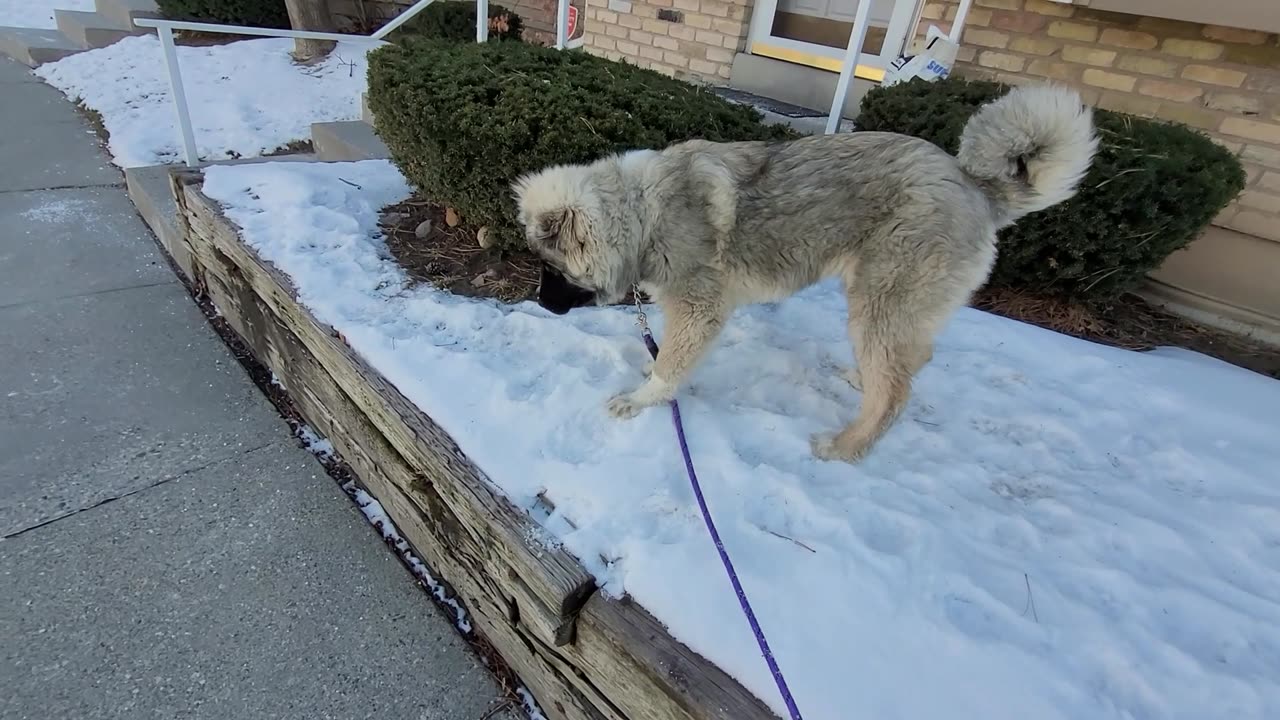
(557, 294)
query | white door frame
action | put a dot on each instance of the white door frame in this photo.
(761, 41)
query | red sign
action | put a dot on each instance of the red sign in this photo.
(573, 21)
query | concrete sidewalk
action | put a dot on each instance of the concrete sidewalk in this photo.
(169, 551)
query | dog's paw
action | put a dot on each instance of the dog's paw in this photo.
(624, 406)
(853, 376)
(647, 369)
(823, 446)
(826, 447)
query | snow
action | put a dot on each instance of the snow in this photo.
(36, 13)
(1054, 529)
(314, 442)
(57, 210)
(246, 98)
(529, 704)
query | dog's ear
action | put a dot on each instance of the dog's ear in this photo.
(563, 228)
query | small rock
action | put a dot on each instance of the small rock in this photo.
(451, 217)
(482, 237)
(391, 219)
(423, 231)
(483, 278)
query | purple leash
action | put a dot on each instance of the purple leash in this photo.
(715, 537)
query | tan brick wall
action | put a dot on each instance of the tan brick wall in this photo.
(1224, 81)
(698, 46)
(367, 15)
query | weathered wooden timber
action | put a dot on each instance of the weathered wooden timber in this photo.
(583, 655)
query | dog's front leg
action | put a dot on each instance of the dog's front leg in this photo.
(692, 328)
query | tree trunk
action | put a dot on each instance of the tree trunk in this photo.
(310, 15)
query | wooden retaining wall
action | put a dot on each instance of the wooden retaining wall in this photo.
(582, 655)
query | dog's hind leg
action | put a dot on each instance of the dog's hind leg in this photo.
(692, 328)
(885, 366)
(853, 375)
(892, 333)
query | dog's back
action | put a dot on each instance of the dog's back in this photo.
(779, 216)
(795, 211)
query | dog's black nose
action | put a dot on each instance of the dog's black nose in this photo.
(557, 294)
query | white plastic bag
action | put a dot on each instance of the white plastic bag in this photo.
(934, 62)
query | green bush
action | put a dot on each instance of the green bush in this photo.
(247, 13)
(457, 21)
(464, 120)
(1153, 187)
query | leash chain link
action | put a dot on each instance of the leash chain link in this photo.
(641, 318)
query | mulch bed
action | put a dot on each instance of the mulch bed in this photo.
(1133, 324)
(449, 256)
(205, 39)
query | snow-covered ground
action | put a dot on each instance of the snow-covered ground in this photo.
(36, 13)
(1054, 529)
(247, 98)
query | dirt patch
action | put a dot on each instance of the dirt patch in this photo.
(297, 147)
(1133, 324)
(94, 118)
(191, 38)
(451, 258)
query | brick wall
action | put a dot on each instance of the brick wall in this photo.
(539, 19)
(367, 15)
(1225, 81)
(690, 39)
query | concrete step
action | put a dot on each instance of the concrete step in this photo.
(343, 141)
(793, 85)
(122, 12)
(803, 120)
(149, 190)
(35, 46)
(92, 30)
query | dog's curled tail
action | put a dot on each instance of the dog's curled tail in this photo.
(1029, 149)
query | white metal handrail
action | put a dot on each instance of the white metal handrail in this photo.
(482, 20)
(962, 15)
(854, 50)
(165, 28)
(162, 24)
(562, 24)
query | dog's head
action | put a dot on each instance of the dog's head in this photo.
(561, 209)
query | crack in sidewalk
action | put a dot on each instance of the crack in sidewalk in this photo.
(88, 186)
(156, 484)
(92, 293)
